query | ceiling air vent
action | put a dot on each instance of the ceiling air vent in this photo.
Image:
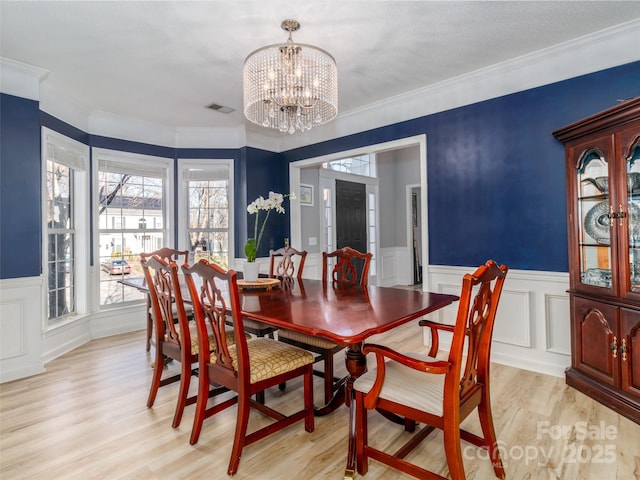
(221, 108)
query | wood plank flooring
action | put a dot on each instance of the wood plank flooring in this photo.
(86, 418)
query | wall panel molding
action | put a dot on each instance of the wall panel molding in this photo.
(21, 328)
(532, 325)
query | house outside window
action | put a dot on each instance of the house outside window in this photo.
(206, 199)
(132, 203)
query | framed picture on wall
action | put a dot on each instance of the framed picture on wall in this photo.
(306, 195)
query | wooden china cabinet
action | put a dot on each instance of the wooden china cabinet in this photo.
(603, 204)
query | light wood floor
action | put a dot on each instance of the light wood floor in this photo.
(86, 419)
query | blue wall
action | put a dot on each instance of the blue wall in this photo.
(20, 188)
(496, 181)
(496, 178)
(262, 172)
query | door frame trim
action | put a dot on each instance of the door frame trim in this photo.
(416, 140)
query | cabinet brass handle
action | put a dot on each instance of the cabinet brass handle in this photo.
(612, 215)
(623, 350)
(614, 347)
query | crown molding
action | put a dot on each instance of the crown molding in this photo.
(20, 79)
(63, 108)
(208, 137)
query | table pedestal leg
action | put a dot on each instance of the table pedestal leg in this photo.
(356, 363)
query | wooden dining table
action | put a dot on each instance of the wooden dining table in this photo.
(346, 315)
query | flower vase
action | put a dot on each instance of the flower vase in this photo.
(250, 271)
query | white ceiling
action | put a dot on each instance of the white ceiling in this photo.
(164, 61)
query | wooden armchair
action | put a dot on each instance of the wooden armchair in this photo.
(438, 393)
(174, 339)
(168, 255)
(247, 367)
(344, 273)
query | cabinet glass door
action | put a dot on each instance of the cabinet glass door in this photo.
(633, 215)
(594, 218)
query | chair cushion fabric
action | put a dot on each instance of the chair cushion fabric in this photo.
(307, 339)
(212, 341)
(269, 358)
(406, 386)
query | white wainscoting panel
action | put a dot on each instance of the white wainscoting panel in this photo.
(532, 325)
(513, 319)
(313, 266)
(387, 263)
(394, 267)
(20, 328)
(558, 330)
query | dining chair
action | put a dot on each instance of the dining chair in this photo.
(351, 266)
(168, 255)
(247, 367)
(437, 393)
(261, 329)
(175, 340)
(345, 272)
(286, 262)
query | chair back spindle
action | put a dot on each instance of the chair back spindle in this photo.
(475, 322)
(345, 271)
(215, 300)
(167, 255)
(282, 262)
(166, 298)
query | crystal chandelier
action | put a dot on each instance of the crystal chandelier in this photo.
(290, 86)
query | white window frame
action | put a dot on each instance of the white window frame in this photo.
(186, 164)
(138, 163)
(80, 205)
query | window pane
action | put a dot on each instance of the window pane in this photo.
(208, 220)
(360, 165)
(131, 211)
(60, 240)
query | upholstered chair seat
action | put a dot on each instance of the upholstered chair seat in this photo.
(426, 392)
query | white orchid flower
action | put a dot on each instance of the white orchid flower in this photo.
(274, 202)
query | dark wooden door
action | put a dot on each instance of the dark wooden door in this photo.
(351, 216)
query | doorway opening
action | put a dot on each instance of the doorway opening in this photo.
(403, 261)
